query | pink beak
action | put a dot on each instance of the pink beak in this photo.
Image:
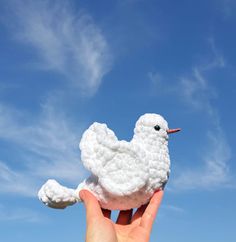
(170, 131)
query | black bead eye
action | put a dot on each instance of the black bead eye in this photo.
(157, 127)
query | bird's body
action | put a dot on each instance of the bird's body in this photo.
(124, 174)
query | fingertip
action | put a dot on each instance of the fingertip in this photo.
(82, 194)
(158, 194)
(151, 210)
(93, 209)
(160, 191)
(86, 196)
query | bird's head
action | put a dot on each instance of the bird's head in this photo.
(151, 126)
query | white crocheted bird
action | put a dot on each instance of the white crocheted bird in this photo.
(124, 175)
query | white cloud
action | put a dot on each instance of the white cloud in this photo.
(214, 172)
(173, 208)
(45, 148)
(227, 7)
(157, 85)
(198, 94)
(67, 42)
(19, 214)
(196, 89)
(218, 59)
(15, 182)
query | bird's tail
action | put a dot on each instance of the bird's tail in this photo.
(57, 196)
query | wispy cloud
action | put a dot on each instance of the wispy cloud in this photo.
(19, 214)
(67, 42)
(46, 144)
(214, 171)
(218, 59)
(198, 93)
(173, 208)
(158, 87)
(196, 89)
(45, 148)
(227, 7)
(15, 182)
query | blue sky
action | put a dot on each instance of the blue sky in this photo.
(66, 64)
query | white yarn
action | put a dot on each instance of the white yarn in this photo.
(124, 174)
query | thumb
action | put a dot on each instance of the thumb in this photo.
(93, 209)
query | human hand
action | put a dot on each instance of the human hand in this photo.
(128, 228)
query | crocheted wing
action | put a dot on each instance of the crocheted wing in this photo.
(120, 166)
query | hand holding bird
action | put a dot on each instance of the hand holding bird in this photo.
(128, 227)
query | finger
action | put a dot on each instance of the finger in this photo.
(138, 214)
(151, 211)
(106, 213)
(124, 217)
(93, 209)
